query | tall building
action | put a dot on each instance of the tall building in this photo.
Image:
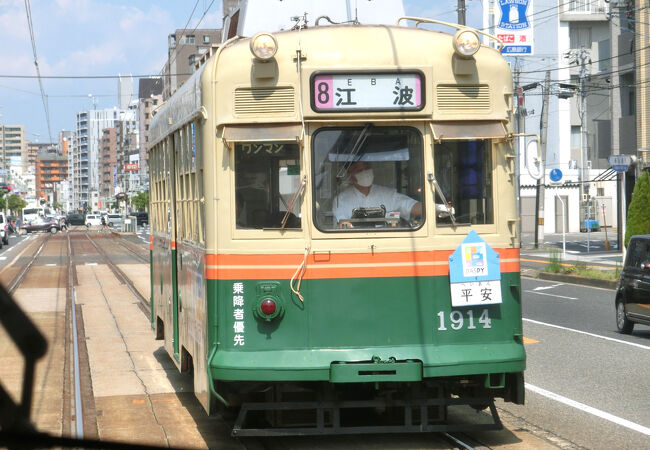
(641, 27)
(127, 139)
(50, 170)
(125, 91)
(185, 47)
(229, 6)
(108, 165)
(575, 44)
(150, 99)
(12, 148)
(84, 160)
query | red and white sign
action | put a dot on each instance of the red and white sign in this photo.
(131, 167)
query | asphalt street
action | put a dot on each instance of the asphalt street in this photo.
(585, 382)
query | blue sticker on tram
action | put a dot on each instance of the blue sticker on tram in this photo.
(474, 260)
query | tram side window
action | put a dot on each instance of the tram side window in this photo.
(368, 178)
(267, 180)
(464, 173)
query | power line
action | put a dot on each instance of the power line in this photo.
(38, 70)
(82, 77)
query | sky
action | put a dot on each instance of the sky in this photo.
(100, 38)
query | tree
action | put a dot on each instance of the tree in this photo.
(16, 203)
(638, 213)
(140, 201)
(57, 206)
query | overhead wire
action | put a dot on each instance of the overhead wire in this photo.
(38, 70)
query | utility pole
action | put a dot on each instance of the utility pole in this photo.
(539, 191)
(520, 127)
(584, 174)
(461, 12)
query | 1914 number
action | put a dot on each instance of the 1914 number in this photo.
(457, 320)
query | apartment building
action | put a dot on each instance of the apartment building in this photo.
(150, 99)
(50, 170)
(84, 159)
(12, 147)
(108, 164)
(185, 47)
(586, 49)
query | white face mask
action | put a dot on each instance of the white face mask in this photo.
(365, 177)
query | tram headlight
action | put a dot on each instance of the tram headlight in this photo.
(264, 46)
(466, 43)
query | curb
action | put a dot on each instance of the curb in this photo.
(593, 282)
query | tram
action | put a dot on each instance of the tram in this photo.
(334, 230)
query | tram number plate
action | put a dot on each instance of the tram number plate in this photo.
(341, 92)
(464, 320)
(476, 293)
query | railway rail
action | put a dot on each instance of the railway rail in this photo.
(82, 417)
(144, 303)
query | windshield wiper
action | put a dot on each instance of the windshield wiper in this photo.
(358, 143)
(449, 209)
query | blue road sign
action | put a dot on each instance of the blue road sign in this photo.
(555, 175)
(620, 163)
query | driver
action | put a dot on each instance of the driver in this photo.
(364, 194)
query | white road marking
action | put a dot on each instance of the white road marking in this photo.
(2, 258)
(619, 341)
(552, 295)
(91, 264)
(541, 288)
(589, 409)
(50, 265)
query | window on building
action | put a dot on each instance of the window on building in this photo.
(206, 39)
(580, 36)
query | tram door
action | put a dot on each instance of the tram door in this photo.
(174, 211)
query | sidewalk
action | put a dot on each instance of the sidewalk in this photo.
(580, 248)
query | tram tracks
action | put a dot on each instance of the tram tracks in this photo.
(120, 275)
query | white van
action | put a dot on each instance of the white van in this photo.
(93, 220)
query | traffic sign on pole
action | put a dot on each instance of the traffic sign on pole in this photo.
(620, 163)
(556, 176)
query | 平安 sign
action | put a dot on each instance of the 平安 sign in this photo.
(474, 273)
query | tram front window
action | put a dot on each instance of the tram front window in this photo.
(368, 178)
(267, 184)
(464, 173)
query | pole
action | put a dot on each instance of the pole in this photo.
(563, 225)
(539, 190)
(461, 12)
(584, 186)
(520, 123)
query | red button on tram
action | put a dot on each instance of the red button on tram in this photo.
(268, 307)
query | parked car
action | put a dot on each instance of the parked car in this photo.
(633, 291)
(51, 224)
(93, 220)
(113, 220)
(142, 217)
(76, 219)
(4, 230)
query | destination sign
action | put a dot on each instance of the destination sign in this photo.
(345, 92)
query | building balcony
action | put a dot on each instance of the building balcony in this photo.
(584, 10)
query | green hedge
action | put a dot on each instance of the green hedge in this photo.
(638, 213)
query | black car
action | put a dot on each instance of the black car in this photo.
(142, 217)
(633, 290)
(76, 219)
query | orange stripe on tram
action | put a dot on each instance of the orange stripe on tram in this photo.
(326, 265)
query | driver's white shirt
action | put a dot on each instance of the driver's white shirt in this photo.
(352, 198)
